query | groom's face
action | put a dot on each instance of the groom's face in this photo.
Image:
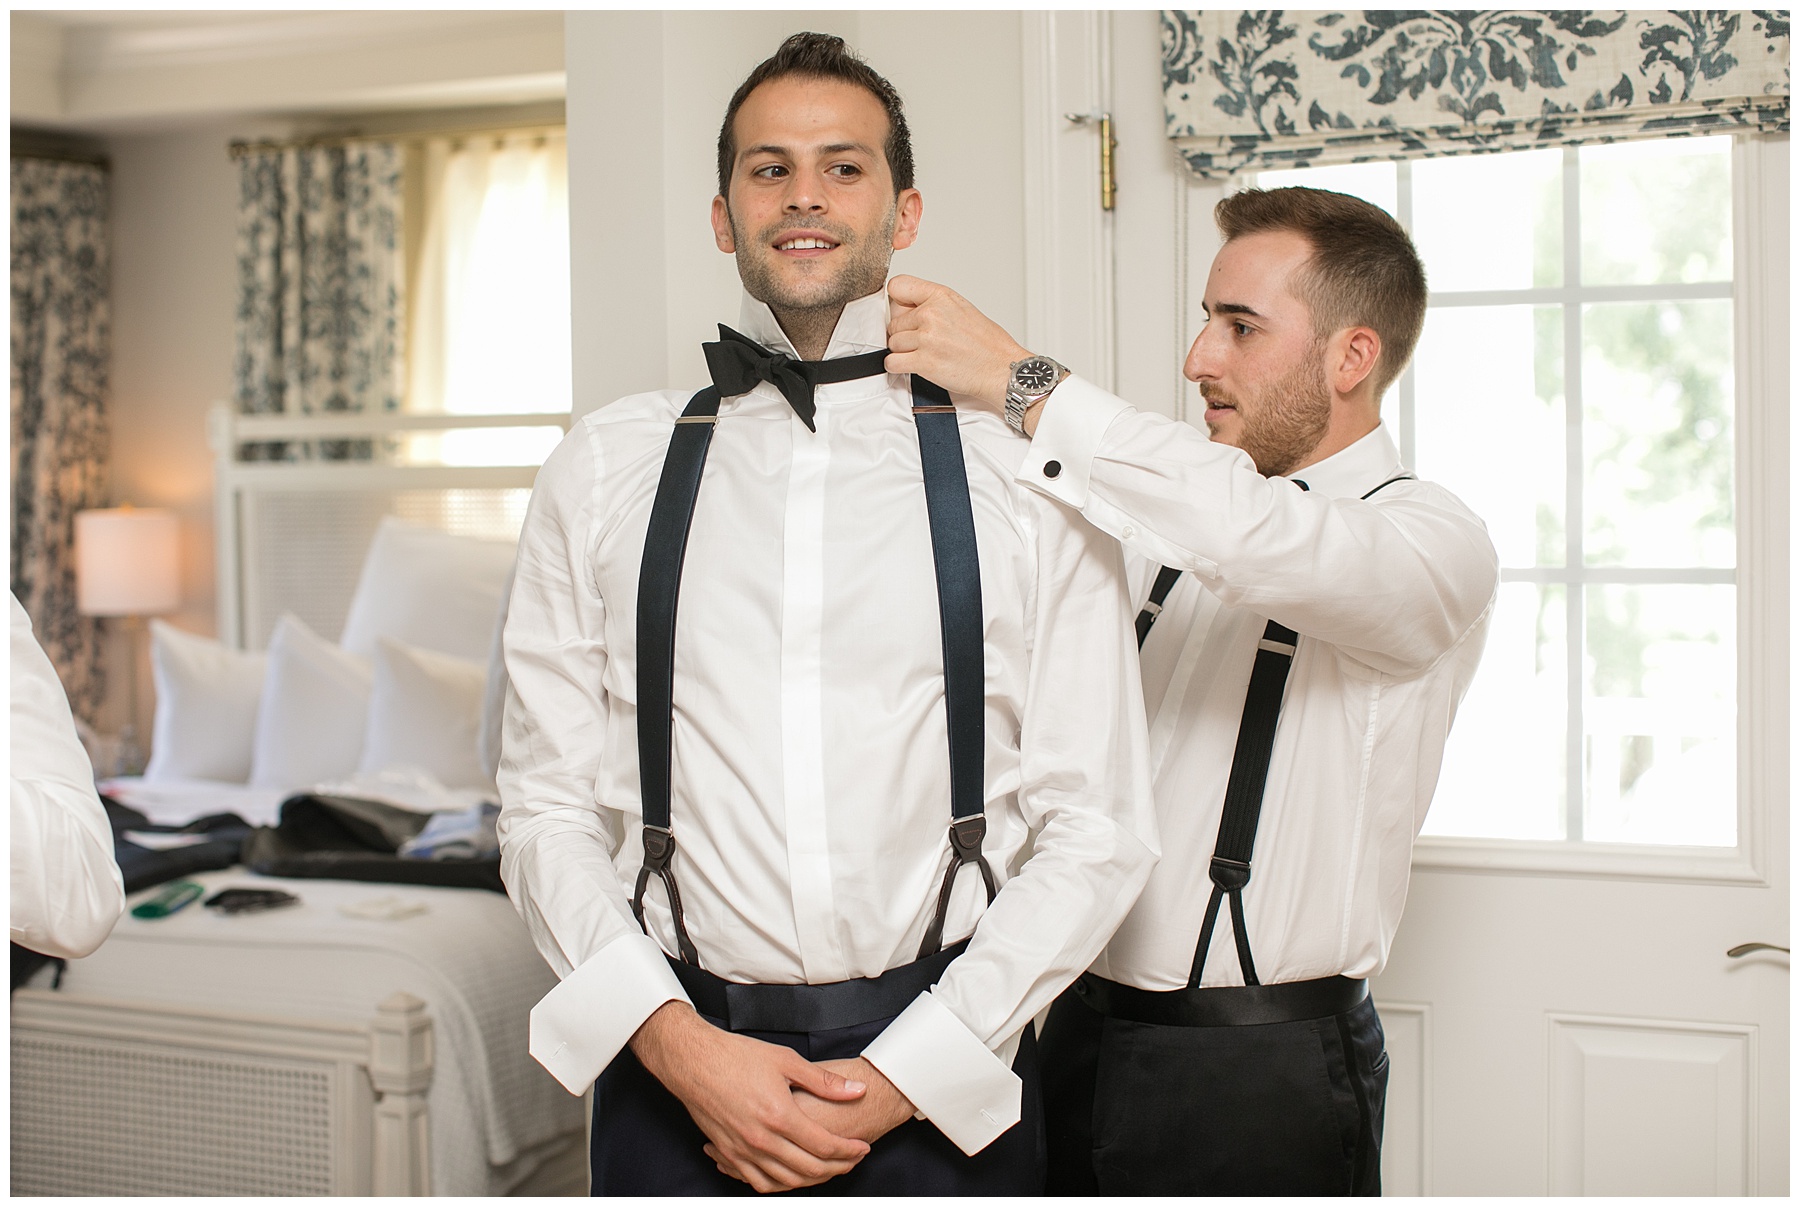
(811, 214)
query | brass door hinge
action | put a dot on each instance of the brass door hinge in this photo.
(1108, 144)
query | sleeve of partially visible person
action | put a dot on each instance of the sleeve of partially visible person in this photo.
(67, 892)
(1085, 789)
(556, 843)
(1394, 582)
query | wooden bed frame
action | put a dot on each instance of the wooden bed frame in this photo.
(123, 1097)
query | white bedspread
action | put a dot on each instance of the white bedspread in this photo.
(467, 956)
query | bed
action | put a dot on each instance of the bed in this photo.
(372, 1038)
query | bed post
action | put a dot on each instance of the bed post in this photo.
(400, 1066)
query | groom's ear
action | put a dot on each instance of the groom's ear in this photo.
(721, 224)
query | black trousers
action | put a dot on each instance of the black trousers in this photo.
(644, 1141)
(1286, 1108)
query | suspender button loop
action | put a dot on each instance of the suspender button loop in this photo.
(1229, 874)
(659, 844)
(966, 835)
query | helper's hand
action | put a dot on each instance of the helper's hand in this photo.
(741, 1093)
(874, 1115)
(934, 331)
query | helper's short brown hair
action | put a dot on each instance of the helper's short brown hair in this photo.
(1364, 271)
(825, 57)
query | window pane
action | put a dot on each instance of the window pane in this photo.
(1489, 221)
(1504, 770)
(1656, 211)
(1496, 436)
(1660, 715)
(1657, 381)
(1373, 182)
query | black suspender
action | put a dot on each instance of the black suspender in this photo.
(1230, 867)
(1165, 580)
(959, 608)
(959, 616)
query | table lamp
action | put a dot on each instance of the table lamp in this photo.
(127, 565)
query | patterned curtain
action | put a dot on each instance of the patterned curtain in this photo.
(1249, 90)
(321, 295)
(60, 339)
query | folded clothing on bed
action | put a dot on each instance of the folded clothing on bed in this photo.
(220, 840)
(349, 838)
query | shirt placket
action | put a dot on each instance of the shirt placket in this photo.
(802, 702)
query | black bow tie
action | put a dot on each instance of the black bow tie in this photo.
(737, 363)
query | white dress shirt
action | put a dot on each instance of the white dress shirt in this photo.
(811, 790)
(67, 892)
(1391, 598)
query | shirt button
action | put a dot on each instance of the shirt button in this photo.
(1127, 532)
(1052, 468)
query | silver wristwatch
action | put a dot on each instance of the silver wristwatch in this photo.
(1031, 382)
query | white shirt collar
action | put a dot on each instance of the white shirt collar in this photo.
(1351, 472)
(861, 328)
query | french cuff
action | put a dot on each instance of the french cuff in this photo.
(579, 1026)
(949, 1075)
(1069, 428)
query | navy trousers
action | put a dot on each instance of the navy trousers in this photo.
(1286, 1108)
(644, 1141)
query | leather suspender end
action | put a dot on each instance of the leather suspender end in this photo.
(659, 844)
(1229, 874)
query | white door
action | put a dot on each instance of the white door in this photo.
(1562, 1016)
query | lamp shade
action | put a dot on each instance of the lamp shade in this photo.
(126, 562)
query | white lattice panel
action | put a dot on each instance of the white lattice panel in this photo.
(103, 1117)
(303, 550)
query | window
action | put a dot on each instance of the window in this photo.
(1575, 386)
(490, 293)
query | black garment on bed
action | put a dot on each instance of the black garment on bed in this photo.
(347, 838)
(145, 868)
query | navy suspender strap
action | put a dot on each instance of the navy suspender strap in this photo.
(659, 586)
(959, 604)
(959, 616)
(1230, 867)
(1165, 581)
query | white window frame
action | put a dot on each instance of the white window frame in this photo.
(1759, 294)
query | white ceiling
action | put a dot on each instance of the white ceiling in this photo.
(126, 70)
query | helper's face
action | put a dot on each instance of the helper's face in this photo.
(1257, 362)
(812, 216)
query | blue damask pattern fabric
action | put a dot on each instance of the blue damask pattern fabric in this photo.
(1248, 90)
(60, 346)
(321, 295)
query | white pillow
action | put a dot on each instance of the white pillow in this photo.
(424, 713)
(315, 704)
(427, 588)
(206, 697)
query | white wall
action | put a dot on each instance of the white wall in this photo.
(646, 94)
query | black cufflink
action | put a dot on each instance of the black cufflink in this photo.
(1052, 468)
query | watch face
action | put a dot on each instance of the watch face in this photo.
(1034, 375)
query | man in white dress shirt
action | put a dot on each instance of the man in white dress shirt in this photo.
(1223, 1043)
(67, 891)
(811, 783)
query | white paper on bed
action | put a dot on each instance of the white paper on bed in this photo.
(467, 956)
